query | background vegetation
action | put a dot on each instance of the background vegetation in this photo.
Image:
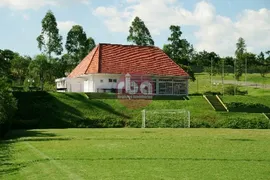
(23, 73)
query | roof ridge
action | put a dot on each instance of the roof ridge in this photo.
(97, 47)
(132, 45)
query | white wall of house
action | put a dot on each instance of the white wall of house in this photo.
(89, 83)
(106, 82)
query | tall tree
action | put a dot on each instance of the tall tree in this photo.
(50, 41)
(179, 50)
(7, 101)
(240, 61)
(77, 44)
(19, 68)
(90, 44)
(39, 68)
(261, 58)
(139, 33)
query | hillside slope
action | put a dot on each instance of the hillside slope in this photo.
(68, 110)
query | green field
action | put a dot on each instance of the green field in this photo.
(136, 154)
(203, 83)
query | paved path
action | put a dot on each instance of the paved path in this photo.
(242, 83)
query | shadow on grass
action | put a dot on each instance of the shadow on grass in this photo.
(96, 104)
(248, 108)
(15, 134)
(45, 110)
(6, 166)
(241, 140)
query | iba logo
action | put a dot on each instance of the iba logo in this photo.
(135, 90)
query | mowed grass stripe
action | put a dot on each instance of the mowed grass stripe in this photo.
(140, 154)
(58, 165)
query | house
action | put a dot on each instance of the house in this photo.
(110, 67)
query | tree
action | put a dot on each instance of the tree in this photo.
(77, 44)
(49, 41)
(39, 68)
(261, 58)
(19, 68)
(8, 55)
(8, 107)
(263, 69)
(179, 50)
(268, 58)
(90, 44)
(7, 101)
(139, 33)
(263, 64)
(4, 67)
(239, 64)
(204, 58)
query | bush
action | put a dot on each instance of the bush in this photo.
(211, 93)
(241, 123)
(248, 107)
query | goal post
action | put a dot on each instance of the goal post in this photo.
(166, 118)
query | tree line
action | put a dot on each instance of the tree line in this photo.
(40, 71)
(183, 53)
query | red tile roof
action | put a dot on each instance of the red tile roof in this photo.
(123, 59)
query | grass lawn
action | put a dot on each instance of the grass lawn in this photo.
(136, 154)
(203, 83)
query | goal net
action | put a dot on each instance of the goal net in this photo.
(169, 118)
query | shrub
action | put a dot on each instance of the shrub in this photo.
(211, 93)
(241, 123)
(247, 107)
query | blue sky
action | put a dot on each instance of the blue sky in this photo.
(212, 25)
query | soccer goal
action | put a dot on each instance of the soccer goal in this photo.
(169, 118)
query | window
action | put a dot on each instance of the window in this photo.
(110, 80)
(101, 80)
(166, 87)
(115, 80)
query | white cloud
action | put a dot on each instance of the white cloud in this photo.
(86, 2)
(215, 32)
(65, 26)
(36, 4)
(26, 4)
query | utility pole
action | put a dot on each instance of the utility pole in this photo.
(197, 85)
(234, 76)
(246, 72)
(223, 62)
(211, 73)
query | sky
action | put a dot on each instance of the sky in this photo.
(211, 25)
